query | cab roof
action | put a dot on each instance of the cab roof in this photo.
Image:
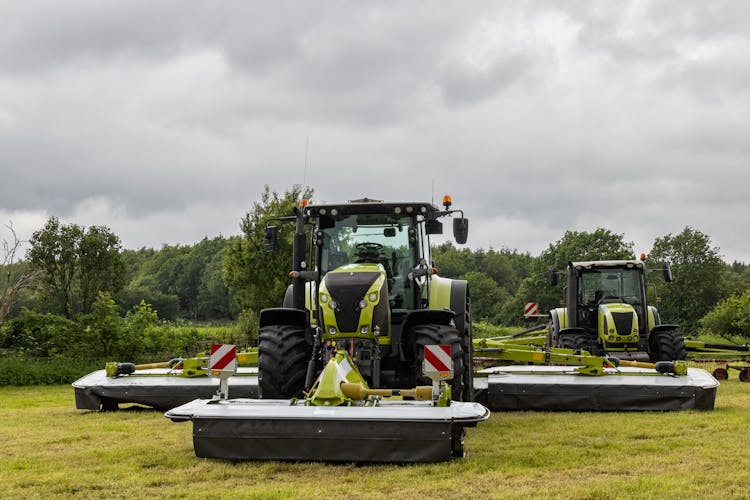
(601, 264)
(369, 206)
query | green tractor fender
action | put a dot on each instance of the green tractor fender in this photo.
(558, 323)
(653, 334)
(453, 295)
(283, 316)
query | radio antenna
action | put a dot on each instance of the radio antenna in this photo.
(304, 172)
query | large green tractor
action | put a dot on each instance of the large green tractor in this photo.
(365, 284)
(606, 313)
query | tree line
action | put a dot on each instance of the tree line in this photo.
(76, 277)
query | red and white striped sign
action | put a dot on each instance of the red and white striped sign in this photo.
(223, 358)
(437, 361)
(531, 309)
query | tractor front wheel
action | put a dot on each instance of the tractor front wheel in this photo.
(434, 334)
(283, 356)
(669, 345)
(579, 342)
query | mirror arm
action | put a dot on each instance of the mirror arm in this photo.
(443, 213)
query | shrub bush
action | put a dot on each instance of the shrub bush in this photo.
(730, 319)
(41, 335)
(20, 369)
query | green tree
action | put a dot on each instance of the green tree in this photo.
(259, 278)
(103, 328)
(698, 272)
(601, 244)
(487, 298)
(730, 318)
(181, 281)
(75, 264)
(453, 262)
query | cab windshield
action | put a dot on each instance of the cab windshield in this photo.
(380, 239)
(610, 285)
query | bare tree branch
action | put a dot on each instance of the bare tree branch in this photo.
(11, 285)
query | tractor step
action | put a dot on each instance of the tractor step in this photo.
(562, 388)
(261, 429)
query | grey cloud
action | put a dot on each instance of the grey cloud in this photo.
(166, 119)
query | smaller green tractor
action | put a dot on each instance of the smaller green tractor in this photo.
(606, 313)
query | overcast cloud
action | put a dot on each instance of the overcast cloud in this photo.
(164, 120)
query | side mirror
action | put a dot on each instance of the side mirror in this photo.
(553, 276)
(271, 238)
(326, 222)
(667, 273)
(461, 230)
(434, 227)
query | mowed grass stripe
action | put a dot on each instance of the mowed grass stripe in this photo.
(51, 449)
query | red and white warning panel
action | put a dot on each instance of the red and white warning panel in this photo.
(223, 358)
(531, 309)
(437, 364)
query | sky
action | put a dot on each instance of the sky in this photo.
(165, 120)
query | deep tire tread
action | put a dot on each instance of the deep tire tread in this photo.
(283, 355)
(432, 334)
(579, 342)
(669, 345)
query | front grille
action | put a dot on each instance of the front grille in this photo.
(623, 322)
(347, 289)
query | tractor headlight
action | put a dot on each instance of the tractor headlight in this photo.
(373, 297)
(332, 330)
(362, 304)
(364, 330)
(611, 338)
(323, 298)
(332, 304)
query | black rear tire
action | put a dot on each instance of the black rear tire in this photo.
(468, 337)
(283, 356)
(669, 345)
(434, 334)
(579, 342)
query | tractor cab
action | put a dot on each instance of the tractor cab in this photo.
(619, 287)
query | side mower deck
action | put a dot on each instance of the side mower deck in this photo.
(156, 387)
(550, 388)
(562, 388)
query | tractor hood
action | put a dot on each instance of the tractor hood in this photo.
(618, 323)
(354, 302)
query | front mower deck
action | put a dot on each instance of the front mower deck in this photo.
(262, 429)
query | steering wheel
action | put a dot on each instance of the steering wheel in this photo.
(610, 297)
(369, 251)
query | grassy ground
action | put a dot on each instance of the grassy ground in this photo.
(50, 449)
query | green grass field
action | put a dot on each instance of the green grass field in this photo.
(49, 449)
